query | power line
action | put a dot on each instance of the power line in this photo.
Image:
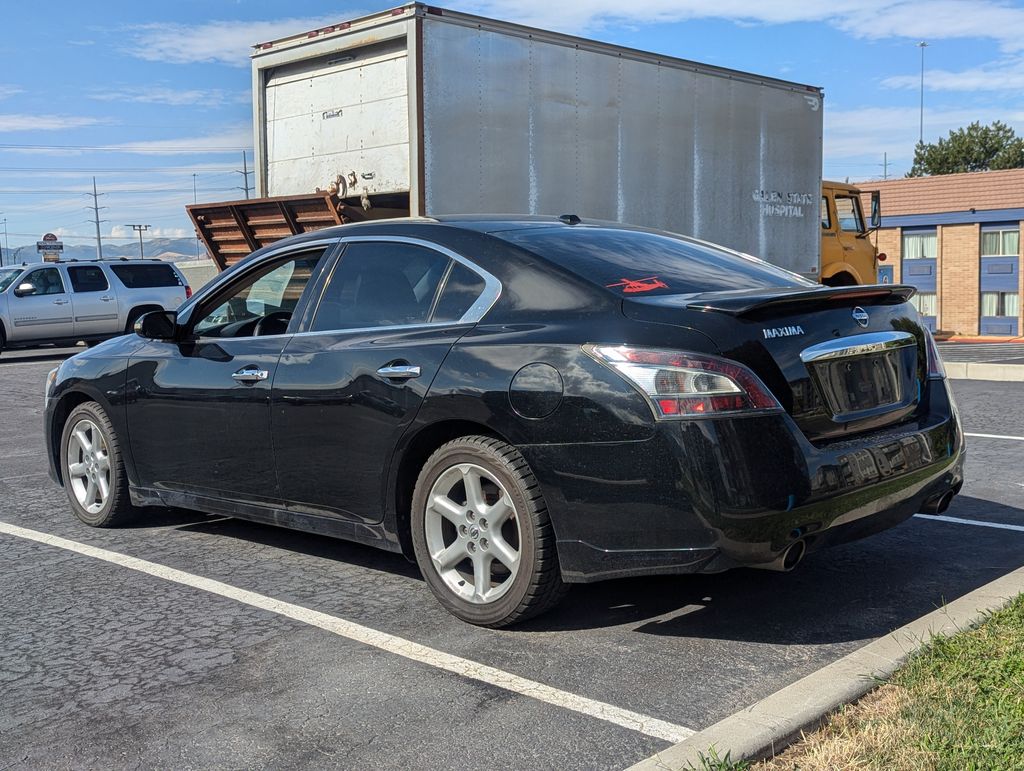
(128, 148)
(152, 191)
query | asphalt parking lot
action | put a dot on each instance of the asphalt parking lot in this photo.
(104, 663)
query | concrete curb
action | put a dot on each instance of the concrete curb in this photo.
(976, 370)
(774, 722)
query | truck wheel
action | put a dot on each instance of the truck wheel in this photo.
(482, 535)
(92, 468)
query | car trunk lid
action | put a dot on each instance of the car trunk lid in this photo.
(841, 360)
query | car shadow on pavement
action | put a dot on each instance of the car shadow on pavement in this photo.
(310, 544)
(848, 593)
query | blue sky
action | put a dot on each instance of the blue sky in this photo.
(145, 95)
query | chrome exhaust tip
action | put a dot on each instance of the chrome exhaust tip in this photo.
(786, 561)
(938, 504)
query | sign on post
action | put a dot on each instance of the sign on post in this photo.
(50, 247)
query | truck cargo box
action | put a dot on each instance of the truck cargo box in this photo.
(431, 111)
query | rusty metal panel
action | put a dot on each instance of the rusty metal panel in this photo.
(232, 230)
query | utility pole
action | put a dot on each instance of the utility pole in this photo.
(244, 171)
(140, 229)
(920, 134)
(7, 246)
(885, 165)
(96, 217)
(195, 200)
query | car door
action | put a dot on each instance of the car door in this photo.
(94, 301)
(198, 407)
(41, 307)
(349, 385)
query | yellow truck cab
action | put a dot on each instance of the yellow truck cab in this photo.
(847, 255)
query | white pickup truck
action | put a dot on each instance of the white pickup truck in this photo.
(67, 302)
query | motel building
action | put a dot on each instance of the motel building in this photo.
(956, 237)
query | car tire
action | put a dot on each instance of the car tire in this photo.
(91, 460)
(489, 573)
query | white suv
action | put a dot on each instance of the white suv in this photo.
(65, 302)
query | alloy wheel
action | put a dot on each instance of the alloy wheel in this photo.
(88, 466)
(472, 533)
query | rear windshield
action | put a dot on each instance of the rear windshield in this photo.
(635, 263)
(143, 276)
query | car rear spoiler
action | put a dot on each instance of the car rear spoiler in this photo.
(754, 302)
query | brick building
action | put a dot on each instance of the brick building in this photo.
(956, 237)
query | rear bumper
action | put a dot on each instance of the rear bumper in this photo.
(708, 495)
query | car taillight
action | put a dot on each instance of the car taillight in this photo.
(935, 368)
(188, 291)
(681, 385)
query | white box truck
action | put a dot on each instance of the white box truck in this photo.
(421, 110)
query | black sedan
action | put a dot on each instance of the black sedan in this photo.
(518, 404)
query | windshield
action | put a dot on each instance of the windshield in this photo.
(7, 277)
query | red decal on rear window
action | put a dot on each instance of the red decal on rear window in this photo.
(634, 285)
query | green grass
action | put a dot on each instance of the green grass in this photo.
(956, 705)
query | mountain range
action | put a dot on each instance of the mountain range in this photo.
(176, 249)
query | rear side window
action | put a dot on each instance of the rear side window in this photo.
(88, 279)
(146, 276)
(634, 263)
(461, 290)
(380, 284)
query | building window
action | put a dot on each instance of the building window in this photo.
(1000, 242)
(1000, 304)
(925, 303)
(919, 245)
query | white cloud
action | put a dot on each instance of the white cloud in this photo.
(221, 42)
(21, 122)
(176, 97)
(876, 19)
(1005, 75)
(228, 140)
(123, 231)
(7, 90)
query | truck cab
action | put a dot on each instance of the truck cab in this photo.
(847, 255)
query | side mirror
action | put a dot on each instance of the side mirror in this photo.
(157, 325)
(876, 209)
(24, 289)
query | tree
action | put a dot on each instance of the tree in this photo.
(975, 148)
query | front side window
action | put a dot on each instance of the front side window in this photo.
(1000, 304)
(45, 281)
(381, 284)
(925, 302)
(922, 245)
(263, 304)
(88, 278)
(1001, 242)
(848, 211)
(826, 219)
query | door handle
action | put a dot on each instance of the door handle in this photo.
(60, 302)
(106, 299)
(250, 375)
(399, 371)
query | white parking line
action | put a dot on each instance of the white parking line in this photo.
(978, 522)
(996, 436)
(634, 721)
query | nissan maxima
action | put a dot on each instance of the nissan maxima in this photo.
(518, 404)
